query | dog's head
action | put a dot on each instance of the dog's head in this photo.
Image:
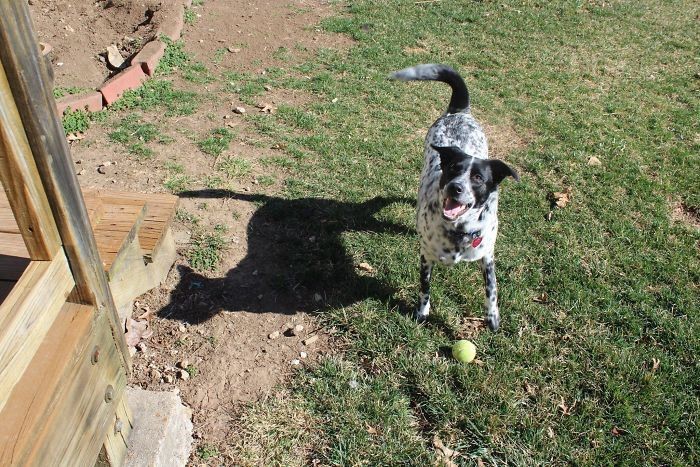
(467, 182)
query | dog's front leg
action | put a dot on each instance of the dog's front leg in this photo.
(426, 270)
(491, 314)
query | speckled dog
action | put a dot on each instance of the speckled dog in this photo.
(457, 216)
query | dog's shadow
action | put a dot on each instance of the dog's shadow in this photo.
(295, 260)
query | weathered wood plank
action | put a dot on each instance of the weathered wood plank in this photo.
(13, 245)
(31, 88)
(27, 314)
(116, 442)
(59, 413)
(117, 229)
(21, 183)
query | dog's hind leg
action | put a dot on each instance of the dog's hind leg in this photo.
(491, 314)
(426, 269)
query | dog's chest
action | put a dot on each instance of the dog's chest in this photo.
(469, 239)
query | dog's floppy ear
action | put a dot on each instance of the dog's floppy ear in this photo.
(449, 154)
(501, 170)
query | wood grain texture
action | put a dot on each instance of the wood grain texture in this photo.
(31, 89)
(117, 229)
(116, 442)
(27, 314)
(21, 184)
(58, 415)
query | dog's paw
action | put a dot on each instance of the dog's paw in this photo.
(420, 317)
(493, 320)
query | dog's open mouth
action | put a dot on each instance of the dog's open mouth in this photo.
(452, 209)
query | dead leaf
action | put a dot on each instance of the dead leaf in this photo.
(562, 198)
(594, 161)
(541, 298)
(71, 137)
(136, 331)
(565, 409)
(365, 267)
(550, 432)
(444, 454)
(371, 430)
(147, 314)
(529, 389)
(616, 431)
(655, 364)
(266, 108)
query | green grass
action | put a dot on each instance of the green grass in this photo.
(134, 134)
(234, 167)
(217, 142)
(207, 451)
(207, 248)
(75, 121)
(190, 16)
(567, 381)
(62, 91)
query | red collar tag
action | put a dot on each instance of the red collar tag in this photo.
(477, 241)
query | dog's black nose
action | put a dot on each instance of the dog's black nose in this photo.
(455, 189)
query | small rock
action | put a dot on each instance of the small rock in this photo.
(239, 110)
(183, 364)
(267, 87)
(309, 340)
(183, 375)
(365, 267)
(114, 58)
(296, 330)
(594, 161)
(233, 50)
(334, 100)
(295, 362)
(141, 347)
(81, 172)
(303, 354)
(181, 328)
(168, 379)
(102, 169)
(79, 161)
(273, 335)
(59, 63)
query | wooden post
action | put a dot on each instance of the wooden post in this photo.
(31, 90)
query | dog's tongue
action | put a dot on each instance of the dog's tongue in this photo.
(452, 208)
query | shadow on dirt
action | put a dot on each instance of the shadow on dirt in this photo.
(295, 261)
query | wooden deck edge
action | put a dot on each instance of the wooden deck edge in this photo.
(26, 315)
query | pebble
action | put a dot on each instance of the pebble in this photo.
(181, 328)
(296, 330)
(183, 364)
(141, 347)
(81, 172)
(303, 354)
(273, 335)
(168, 379)
(233, 50)
(295, 362)
(239, 110)
(114, 58)
(102, 169)
(183, 375)
(267, 87)
(309, 340)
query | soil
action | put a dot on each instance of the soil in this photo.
(216, 324)
(79, 31)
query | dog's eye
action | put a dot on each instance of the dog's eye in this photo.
(476, 178)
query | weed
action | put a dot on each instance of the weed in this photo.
(217, 142)
(213, 181)
(133, 133)
(266, 180)
(207, 451)
(186, 217)
(192, 371)
(234, 167)
(75, 121)
(190, 16)
(61, 91)
(178, 183)
(219, 54)
(158, 93)
(206, 249)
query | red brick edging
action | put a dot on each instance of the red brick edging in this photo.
(142, 67)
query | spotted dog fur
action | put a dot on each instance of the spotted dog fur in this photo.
(457, 216)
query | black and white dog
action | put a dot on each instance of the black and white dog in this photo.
(457, 216)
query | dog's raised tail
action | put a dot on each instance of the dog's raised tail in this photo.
(436, 72)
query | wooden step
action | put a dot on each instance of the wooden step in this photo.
(117, 228)
(63, 406)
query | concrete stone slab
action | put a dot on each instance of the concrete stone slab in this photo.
(162, 433)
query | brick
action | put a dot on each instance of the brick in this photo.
(129, 78)
(91, 102)
(149, 56)
(171, 21)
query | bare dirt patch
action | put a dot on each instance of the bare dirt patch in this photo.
(688, 215)
(80, 30)
(212, 326)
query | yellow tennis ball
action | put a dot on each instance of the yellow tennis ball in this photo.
(464, 351)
